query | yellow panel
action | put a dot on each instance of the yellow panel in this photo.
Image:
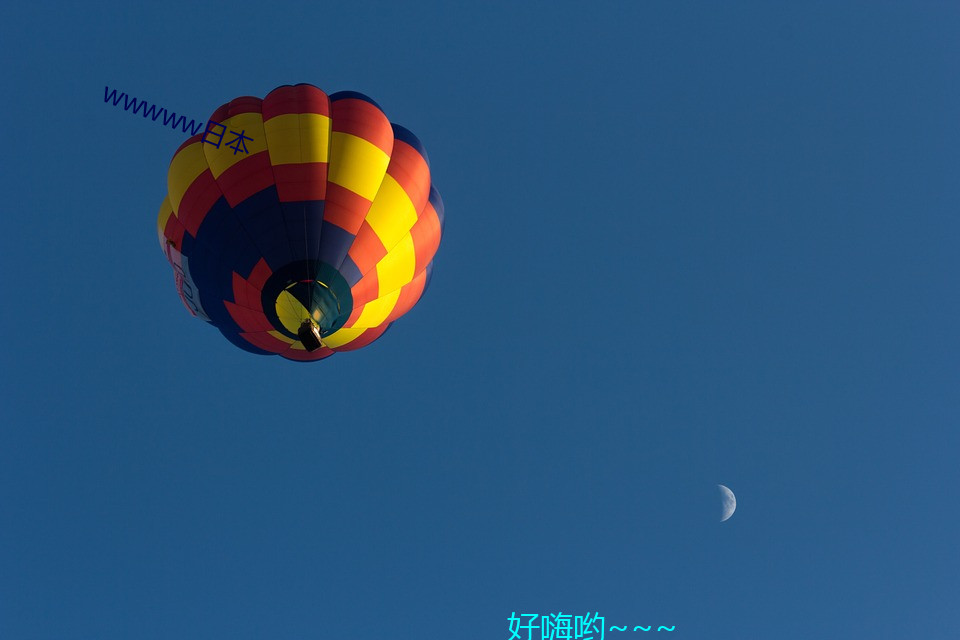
(356, 164)
(375, 312)
(342, 337)
(165, 212)
(290, 311)
(397, 267)
(251, 124)
(298, 137)
(185, 167)
(392, 213)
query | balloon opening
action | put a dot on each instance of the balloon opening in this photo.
(322, 298)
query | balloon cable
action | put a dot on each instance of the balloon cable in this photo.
(306, 261)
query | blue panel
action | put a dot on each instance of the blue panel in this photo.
(429, 278)
(265, 225)
(295, 226)
(304, 225)
(222, 246)
(313, 209)
(216, 231)
(437, 203)
(350, 272)
(188, 245)
(335, 242)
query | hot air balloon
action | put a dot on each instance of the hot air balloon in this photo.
(313, 242)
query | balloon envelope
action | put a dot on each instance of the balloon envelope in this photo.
(329, 220)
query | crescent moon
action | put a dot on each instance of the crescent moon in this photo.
(728, 502)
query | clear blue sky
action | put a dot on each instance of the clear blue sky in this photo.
(686, 244)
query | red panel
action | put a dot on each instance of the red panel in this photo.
(173, 231)
(189, 141)
(345, 209)
(367, 289)
(247, 319)
(411, 171)
(426, 237)
(259, 275)
(243, 104)
(247, 177)
(199, 198)
(266, 342)
(245, 294)
(299, 182)
(364, 120)
(367, 250)
(301, 98)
